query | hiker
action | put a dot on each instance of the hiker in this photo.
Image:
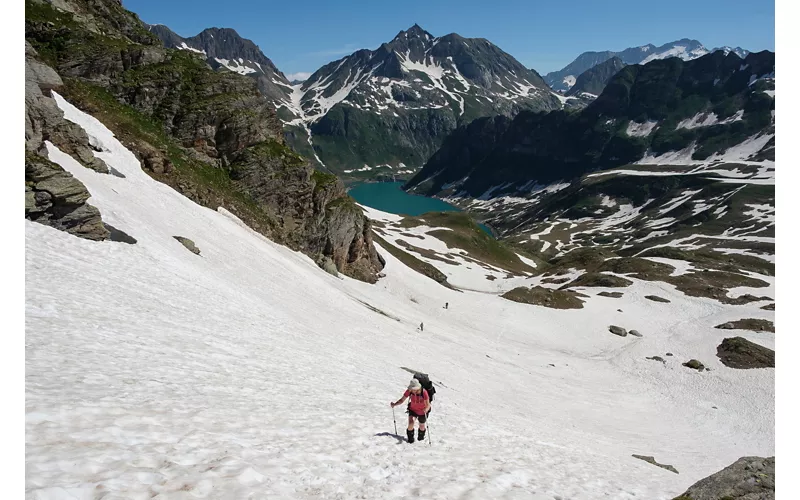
(418, 408)
(446, 304)
(421, 327)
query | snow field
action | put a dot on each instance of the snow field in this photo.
(246, 372)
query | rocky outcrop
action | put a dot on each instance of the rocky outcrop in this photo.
(756, 325)
(55, 198)
(44, 121)
(312, 209)
(749, 478)
(738, 352)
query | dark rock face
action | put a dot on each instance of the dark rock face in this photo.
(594, 80)
(749, 478)
(738, 352)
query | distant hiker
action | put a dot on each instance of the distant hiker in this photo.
(421, 327)
(418, 408)
(446, 304)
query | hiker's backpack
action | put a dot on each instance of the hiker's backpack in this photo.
(426, 383)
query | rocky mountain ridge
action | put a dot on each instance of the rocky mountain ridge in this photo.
(686, 49)
(210, 135)
(708, 104)
(591, 82)
(225, 50)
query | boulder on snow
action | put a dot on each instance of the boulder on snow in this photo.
(652, 460)
(189, 244)
(618, 330)
(694, 365)
(749, 478)
(327, 265)
(738, 352)
(613, 295)
(635, 333)
(657, 358)
(656, 298)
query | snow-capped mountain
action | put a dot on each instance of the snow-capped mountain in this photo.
(684, 48)
(415, 88)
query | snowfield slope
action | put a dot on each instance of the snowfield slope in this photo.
(247, 372)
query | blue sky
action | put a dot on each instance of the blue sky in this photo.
(301, 36)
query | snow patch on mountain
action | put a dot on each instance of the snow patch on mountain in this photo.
(183, 46)
(636, 129)
(708, 119)
(681, 51)
(235, 66)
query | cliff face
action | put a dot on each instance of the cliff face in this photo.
(209, 134)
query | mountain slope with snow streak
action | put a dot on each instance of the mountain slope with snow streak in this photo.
(151, 371)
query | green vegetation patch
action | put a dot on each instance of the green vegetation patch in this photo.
(598, 280)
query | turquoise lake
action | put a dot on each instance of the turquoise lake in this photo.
(388, 197)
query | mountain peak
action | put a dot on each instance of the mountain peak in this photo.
(414, 31)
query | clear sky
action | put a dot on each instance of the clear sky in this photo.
(301, 36)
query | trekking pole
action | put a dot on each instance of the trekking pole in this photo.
(395, 422)
(428, 426)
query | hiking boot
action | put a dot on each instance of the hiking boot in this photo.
(410, 436)
(421, 435)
